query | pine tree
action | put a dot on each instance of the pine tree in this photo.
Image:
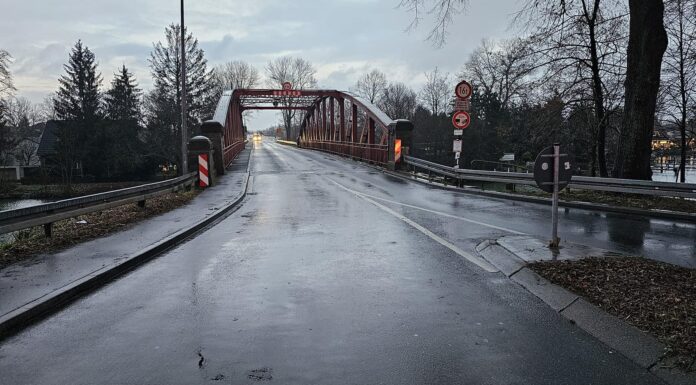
(78, 104)
(78, 98)
(122, 101)
(115, 149)
(165, 99)
(161, 133)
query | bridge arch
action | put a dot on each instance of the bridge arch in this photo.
(334, 121)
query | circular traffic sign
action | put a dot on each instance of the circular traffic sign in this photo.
(543, 170)
(461, 120)
(287, 86)
(463, 90)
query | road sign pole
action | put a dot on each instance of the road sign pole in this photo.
(554, 209)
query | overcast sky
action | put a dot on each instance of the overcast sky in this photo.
(342, 38)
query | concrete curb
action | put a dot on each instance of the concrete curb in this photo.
(660, 214)
(20, 318)
(634, 344)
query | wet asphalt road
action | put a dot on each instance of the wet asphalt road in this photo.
(309, 283)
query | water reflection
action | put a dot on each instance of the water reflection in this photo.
(629, 231)
(11, 204)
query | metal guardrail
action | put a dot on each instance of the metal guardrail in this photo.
(46, 214)
(627, 186)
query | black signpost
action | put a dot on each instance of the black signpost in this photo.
(552, 173)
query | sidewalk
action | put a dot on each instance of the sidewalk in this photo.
(30, 281)
(512, 253)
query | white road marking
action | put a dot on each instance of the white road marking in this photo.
(475, 260)
(447, 215)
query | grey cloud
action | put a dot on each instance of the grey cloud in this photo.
(343, 38)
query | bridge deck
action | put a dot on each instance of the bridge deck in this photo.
(322, 277)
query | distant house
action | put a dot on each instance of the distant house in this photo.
(48, 146)
(666, 137)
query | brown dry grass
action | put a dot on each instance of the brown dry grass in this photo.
(624, 200)
(656, 297)
(31, 242)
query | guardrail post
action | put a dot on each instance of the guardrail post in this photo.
(213, 130)
(200, 145)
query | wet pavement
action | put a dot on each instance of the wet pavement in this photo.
(334, 273)
(36, 277)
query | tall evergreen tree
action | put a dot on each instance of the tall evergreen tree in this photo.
(122, 101)
(115, 148)
(161, 131)
(78, 97)
(165, 63)
(78, 103)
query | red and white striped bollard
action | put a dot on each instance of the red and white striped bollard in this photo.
(203, 179)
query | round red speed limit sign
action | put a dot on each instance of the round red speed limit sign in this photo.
(461, 120)
(463, 90)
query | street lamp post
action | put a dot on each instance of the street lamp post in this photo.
(184, 131)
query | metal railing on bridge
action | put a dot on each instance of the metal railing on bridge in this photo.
(48, 213)
(627, 186)
(374, 153)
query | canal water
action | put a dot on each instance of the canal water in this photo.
(668, 175)
(11, 204)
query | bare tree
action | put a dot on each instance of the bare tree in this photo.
(580, 44)
(647, 41)
(298, 71)
(443, 11)
(20, 111)
(6, 85)
(679, 70)
(399, 101)
(23, 119)
(6, 91)
(47, 108)
(371, 86)
(437, 92)
(235, 74)
(504, 68)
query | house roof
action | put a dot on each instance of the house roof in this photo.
(47, 145)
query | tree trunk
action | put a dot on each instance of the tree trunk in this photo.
(683, 92)
(600, 114)
(597, 89)
(682, 164)
(646, 46)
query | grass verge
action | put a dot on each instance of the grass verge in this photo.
(57, 191)
(637, 201)
(655, 297)
(27, 243)
(622, 200)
